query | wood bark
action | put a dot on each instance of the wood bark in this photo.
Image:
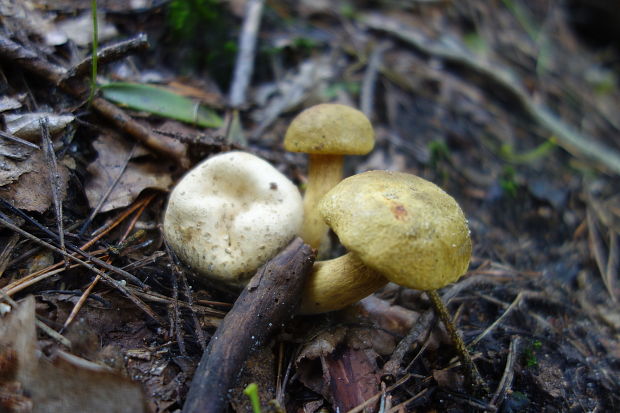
(266, 304)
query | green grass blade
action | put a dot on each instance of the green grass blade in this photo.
(159, 101)
(252, 392)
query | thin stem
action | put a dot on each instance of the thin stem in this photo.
(470, 368)
(324, 172)
(93, 80)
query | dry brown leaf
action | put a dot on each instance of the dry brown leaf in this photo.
(311, 360)
(65, 383)
(11, 103)
(12, 166)
(80, 30)
(28, 125)
(353, 379)
(30, 188)
(113, 152)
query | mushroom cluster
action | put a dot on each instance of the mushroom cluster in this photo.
(230, 214)
(234, 211)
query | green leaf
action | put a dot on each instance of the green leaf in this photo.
(161, 102)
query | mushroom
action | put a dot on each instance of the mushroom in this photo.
(397, 227)
(230, 214)
(326, 132)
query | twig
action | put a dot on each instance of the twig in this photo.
(120, 118)
(19, 140)
(110, 281)
(108, 54)
(190, 304)
(34, 278)
(569, 138)
(5, 254)
(597, 249)
(266, 303)
(89, 289)
(392, 368)
(245, 58)
(163, 299)
(243, 70)
(400, 406)
(427, 341)
(53, 333)
(613, 262)
(80, 303)
(176, 315)
(506, 380)
(30, 61)
(498, 321)
(95, 46)
(279, 380)
(374, 398)
(52, 167)
(109, 267)
(370, 79)
(37, 276)
(177, 271)
(101, 231)
(108, 192)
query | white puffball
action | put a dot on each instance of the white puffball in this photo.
(230, 214)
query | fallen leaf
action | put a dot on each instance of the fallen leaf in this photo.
(113, 152)
(63, 382)
(310, 362)
(27, 125)
(353, 379)
(80, 30)
(29, 186)
(11, 166)
(11, 103)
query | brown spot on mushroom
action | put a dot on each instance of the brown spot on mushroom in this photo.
(399, 211)
(273, 186)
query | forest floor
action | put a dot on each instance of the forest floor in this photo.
(512, 107)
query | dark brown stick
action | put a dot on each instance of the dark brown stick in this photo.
(108, 54)
(392, 370)
(266, 303)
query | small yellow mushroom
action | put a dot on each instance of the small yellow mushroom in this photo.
(326, 132)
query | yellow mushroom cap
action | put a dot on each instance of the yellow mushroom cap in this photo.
(406, 228)
(330, 128)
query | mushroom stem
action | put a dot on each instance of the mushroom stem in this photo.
(472, 372)
(324, 172)
(337, 283)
